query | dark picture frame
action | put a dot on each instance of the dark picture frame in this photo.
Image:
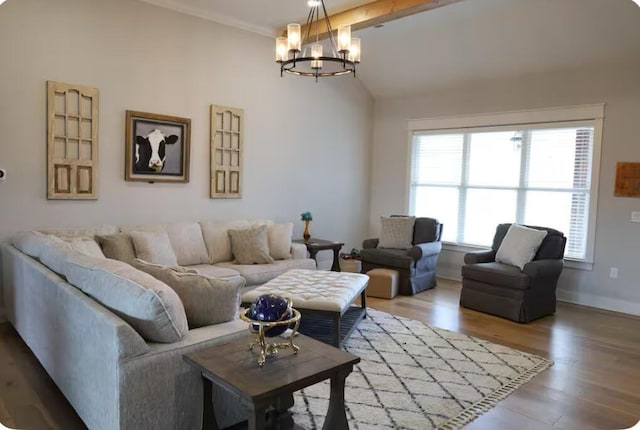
(157, 147)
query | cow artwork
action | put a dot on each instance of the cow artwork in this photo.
(150, 151)
(157, 147)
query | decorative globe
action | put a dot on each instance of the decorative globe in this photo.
(270, 308)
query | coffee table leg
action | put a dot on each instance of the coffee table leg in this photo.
(257, 416)
(336, 415)
(208, 414)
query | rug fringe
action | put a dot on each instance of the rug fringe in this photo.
(484, 405)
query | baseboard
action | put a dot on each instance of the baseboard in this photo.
(599, 302)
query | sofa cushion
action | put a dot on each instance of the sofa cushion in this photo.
(87, 232)
(214, 271)
(260, 273)
(217, 240)
(33, 242)
(396, 232)
(251, 245)
(206, 300)
(280, 240)
(154, 247)
(188, 244)
(117, 246)
(151, 307)
(519, 245)
(87, 246)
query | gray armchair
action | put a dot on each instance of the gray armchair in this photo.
(417, 265)
(507, 291)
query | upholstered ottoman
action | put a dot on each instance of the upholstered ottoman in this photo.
(383, 283)
(323, 298)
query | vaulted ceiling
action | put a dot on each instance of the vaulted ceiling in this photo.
(470, 40)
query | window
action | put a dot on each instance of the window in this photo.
(472, 179)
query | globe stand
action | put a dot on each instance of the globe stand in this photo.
(259, 328)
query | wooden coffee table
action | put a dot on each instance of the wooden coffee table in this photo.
(233, 367)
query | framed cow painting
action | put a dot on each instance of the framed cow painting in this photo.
(157, 148)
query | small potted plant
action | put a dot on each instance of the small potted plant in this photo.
(307, 218)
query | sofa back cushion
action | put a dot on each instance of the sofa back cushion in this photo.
(85, 245)
(152, 308)
(206, 300)
(154, 247)
(188, 243)
(280, 240)
(216, 238)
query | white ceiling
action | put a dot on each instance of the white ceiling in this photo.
(469, 40)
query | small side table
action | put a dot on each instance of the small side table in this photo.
(315, 245)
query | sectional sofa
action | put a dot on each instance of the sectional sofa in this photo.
(112, 337)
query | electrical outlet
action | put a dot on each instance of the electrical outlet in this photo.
(613, 272)
(635, 216)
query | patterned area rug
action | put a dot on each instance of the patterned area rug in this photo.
(414, 376)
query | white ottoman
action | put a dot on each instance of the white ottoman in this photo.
(323, 298)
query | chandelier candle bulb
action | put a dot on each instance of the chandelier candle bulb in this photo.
(344, 38)
(354, 52)
(282, 49)
(294, 37)
(316, 52)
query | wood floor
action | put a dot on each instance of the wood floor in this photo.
(594, 383)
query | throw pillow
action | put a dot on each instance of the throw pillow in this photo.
(154, 247)
(280, 240)
(519, 245)
(188, 244)
(251, 245)
(151, 307)
(206, 300)
(117, 246)
(397, 232)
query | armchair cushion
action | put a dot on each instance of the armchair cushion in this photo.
(494, 273)
(519, 245)
(396, 232)
(387, 257)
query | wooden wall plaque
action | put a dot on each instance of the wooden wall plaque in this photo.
(627, 180)
(227, 144)
(72, 142)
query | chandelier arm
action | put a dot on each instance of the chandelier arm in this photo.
(308, 36)
(332, 42)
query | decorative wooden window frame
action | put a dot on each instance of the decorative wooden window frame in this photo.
(72, 142)
(227, 146)
(627, 180)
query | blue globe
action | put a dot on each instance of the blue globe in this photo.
(270, 308)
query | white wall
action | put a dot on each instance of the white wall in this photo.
(617, 242)
(307, 145)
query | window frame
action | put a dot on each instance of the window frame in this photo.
(592, 115)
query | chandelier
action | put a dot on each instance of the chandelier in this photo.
(303, 55)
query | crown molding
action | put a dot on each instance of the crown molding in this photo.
(212, 16)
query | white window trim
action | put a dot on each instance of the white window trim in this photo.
(593, 112)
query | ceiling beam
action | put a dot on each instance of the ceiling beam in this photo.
(375, 13)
